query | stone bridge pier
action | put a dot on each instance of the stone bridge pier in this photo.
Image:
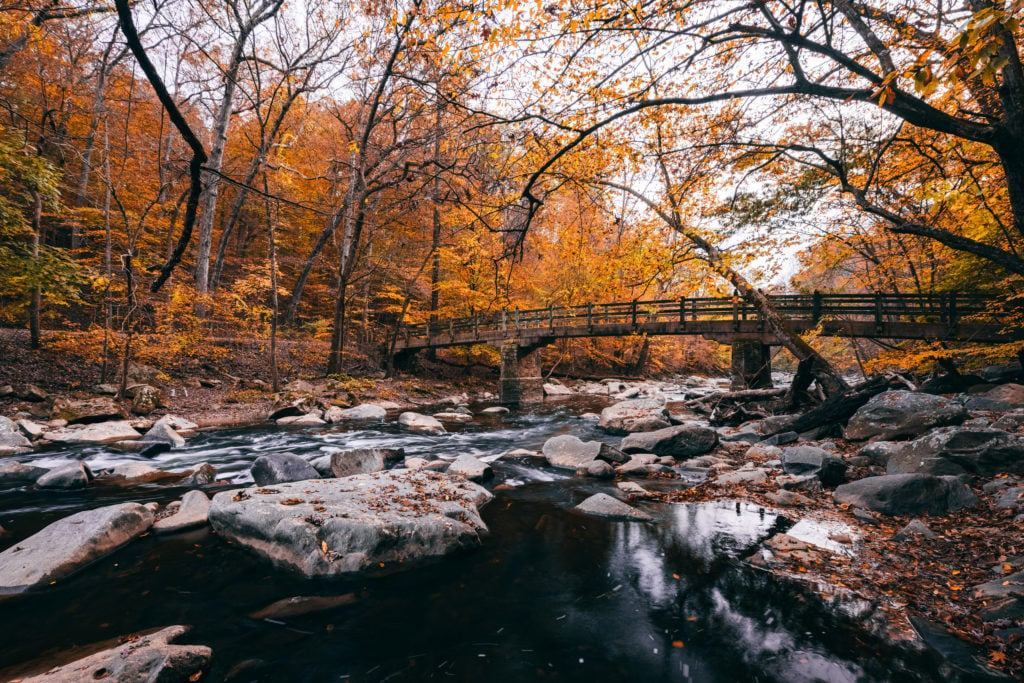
(521, 380)
(751, 364)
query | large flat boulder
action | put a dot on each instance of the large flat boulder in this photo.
(99, 409)
(637, 415)
(680, 441)
(69, 544)
(894, 414)
(137, 659)
(277, 468)
(13, 443)
(103, 432)
(906, 494)
(332, 527)
(17, 474)
(603, 505)
(1010, 393)
(420, 424)
(958, 450)
(571, 453)
(75, 475)
(362, 412)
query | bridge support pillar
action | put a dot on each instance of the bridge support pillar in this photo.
(751, 365)
(521, 380)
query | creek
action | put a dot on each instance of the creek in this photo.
(551, 594)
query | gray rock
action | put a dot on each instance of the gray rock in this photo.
(12, 443)
(70, 544)
(32, 393)
(603, 505)
(808, 483)
(161, 432)
(1010, 422)
(640, 468)
(16, 474)
(470, 468)
(1012, 394)
(6, 390)
(680, 441)
(420, 424)
(642, 414)
(138, 659)
(914, 529)
(457, 417)
(569, 452)
(135, 472)
(192, 513)
(416, 463)
(632, 488)
(183, 426)
(787, 499)
(146, 398)
(1011, 498)
(322, 465)
(552, 389)
(984, 403)
(879, 452)
(495, 410)
(8, 426)
(31, 430)
(752, 477)
(104, 432)
(957, 450)
(73, 476)
(362, 412)
(907, 494)
(801, 460)
(100, 409)
(903, 413)
(358, 522)
(278, 468)
(308, 420)
(598, 469)
(202, 475)
(364, 460)
(780, 439)
(766, 451)
(104, 389)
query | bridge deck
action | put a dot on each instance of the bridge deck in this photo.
(953, 317)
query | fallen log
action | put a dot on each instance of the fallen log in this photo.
(741, 395)
(839, 409)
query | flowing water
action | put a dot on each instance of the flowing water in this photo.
(551, 595)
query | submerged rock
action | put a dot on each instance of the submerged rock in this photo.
(569, 452)
(903, 413)
(603, 505)
(137, 659)
(277, 468)
(69, 544)
(162, 432)
(680, 441)
(907, 494)
(338, 526)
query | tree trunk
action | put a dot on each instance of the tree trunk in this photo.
(275, 379)
(292, 310)
(36, 302)
(336, 357)
(1011, 154)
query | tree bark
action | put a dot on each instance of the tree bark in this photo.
(36, 300)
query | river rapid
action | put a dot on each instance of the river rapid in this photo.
(551, 595)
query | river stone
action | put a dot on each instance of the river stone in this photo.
(603, 505)
(680, 441)
(146, 398)
(69, 544)
(12, 443)
(598, 469)
(1011, 422)
(470, 468)
(73, 476)
(893, 414)
(914, 529)
(552, 389)
(31, 393)
(752, 477)
(420, 424)
(642, 414)
(203, 474)
(1010, 393)
(907, 494)
(100, 409)
(456, 417)
(137, 659)
(364, 460)
(136, 471)
(161, 432)
(354, 523)
(31, 430)
(879, 452)
(308, 420)
(103, 432)
(828, 467)
(956, 450)
(14, 473)
(569, 452)
(277, 468)
(495, 410)
(985, 404)
(363, 411)
(192, 513)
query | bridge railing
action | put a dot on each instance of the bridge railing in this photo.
(948, 308)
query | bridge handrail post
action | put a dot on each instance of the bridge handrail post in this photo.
(426, 326)
(476, 326)
(504, 320)
(590, 315)
(682, 312)
(736, 311)
(878, 312)
(952, 311)
(816, 307)
(632, 313)
(551, 317)
(451, 327)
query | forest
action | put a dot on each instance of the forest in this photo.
(339, 172)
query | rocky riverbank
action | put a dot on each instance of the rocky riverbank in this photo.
(921, 496)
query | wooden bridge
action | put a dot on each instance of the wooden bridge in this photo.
(729, 320)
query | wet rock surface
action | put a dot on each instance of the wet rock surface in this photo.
(895, 414)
